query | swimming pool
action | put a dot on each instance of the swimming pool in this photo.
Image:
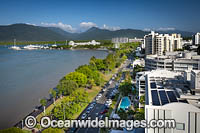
(125, 103)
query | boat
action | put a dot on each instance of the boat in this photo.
(14, 47)
(32, 47)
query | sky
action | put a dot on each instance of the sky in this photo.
(80, 15)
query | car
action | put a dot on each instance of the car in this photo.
(84, 116)
(104, 89)
(109, 102)
(88, 110)
(99, 95)
(103, 112)
(97, 98)
(101, 117)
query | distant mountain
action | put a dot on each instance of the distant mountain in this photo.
(68, 36)
(24, 32)
(183, 33)
(102, 34)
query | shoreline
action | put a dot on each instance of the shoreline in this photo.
(37, 112)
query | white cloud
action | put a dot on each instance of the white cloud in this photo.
(165, 29)
(31, 24)
(147, 29)
(111, 28)
(65, 27)
(87, 25)
(159, 29)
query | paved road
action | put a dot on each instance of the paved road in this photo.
(100, 104)
(97, 109)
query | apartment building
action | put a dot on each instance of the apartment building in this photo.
(156, 43)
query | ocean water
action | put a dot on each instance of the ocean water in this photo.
(27, 75)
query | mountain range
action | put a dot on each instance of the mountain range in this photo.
(25, 32)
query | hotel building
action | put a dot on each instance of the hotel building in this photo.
(156, 43)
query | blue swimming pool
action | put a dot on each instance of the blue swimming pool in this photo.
(125, 103)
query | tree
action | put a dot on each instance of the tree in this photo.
(66, 87)
(54, 94)
(122, 114)
(79, 78)
(53, 130)
(125, 88)
(43, 102)
(100, 65)
(12, 130)
(110, 62)
(142, 99)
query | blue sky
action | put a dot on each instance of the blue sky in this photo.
(79, 15)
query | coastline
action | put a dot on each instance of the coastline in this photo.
(50, 101)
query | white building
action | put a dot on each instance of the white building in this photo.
(140, 84)
(93, 42)
(195, 81)
(168, 97)
(120, 40)
(173, 61)
(136, 39)
(159, 43)
(196, 39)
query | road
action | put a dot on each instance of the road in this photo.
(100, 104)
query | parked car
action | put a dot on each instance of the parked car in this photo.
(84, 116)
(104, 89)
(88, 110)
(104, 111)
(97, 98)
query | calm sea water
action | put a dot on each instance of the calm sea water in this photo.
(26, 76)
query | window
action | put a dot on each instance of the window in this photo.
(180, 126)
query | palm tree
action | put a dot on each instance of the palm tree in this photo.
(43, 102)
(54, 94)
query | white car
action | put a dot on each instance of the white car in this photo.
(109, 101)
(84, 116)
(104, 89)
(97, 98)
(107, 105)
(100, 95)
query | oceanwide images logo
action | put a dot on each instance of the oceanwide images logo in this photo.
(46, 122)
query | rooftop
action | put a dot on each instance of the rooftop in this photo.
(167, 87)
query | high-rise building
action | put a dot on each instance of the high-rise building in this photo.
(159, 43)
(196, 39)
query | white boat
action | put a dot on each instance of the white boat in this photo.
(14, 47)
(32, 47)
